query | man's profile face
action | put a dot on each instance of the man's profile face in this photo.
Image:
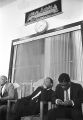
(47, 83)
(3, 80)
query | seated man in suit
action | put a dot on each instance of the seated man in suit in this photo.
(6, 92)
(30, 105)
(68, 99)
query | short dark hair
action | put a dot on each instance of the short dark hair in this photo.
(64, 77)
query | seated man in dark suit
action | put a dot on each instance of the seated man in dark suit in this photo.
(68, 99)
(30, 105)
(6, 92)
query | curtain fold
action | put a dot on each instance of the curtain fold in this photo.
(49, 57)
(60, 55)
(29, 62)
(66, 55)
(77, 55)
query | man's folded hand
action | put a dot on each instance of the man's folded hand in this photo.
(59, 102)
(68, 103)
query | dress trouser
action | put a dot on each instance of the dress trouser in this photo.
(3, 109)
(24, 107)
(64, 112)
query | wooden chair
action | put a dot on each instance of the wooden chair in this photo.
(20, 91)
(39, 116)
(10, 103)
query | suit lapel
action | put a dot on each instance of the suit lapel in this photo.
(71, 91)
(62, 94)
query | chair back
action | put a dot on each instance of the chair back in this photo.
(25, 89)
(17, 90)
(22, 90)
(38, 83)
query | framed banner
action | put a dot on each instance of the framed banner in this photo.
(49, 10)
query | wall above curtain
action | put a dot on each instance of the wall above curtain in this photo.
(49, 10)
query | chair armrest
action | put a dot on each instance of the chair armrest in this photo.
(9, 102)
(50, 106)
(41, 110)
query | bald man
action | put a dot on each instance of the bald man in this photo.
(30, 105)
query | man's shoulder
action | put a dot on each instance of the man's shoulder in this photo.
(76, 84)
(40, 88)
(58, 86)
(10, 85)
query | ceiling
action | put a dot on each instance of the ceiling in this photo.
(5, 2)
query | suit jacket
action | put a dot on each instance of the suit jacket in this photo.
(76, 94)
(31, 104)
(42, 94)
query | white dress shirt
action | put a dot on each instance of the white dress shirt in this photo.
(65, 94)
(3, 89)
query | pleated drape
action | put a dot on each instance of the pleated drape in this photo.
(66, 55)
(49, 56)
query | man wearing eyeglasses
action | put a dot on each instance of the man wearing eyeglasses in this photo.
(68, 99)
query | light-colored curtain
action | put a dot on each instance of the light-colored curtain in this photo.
(29, 62)
(60, 61)
(49, 57)
(65, 55)
(77, 57)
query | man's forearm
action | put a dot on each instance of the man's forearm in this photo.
(6, 98)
